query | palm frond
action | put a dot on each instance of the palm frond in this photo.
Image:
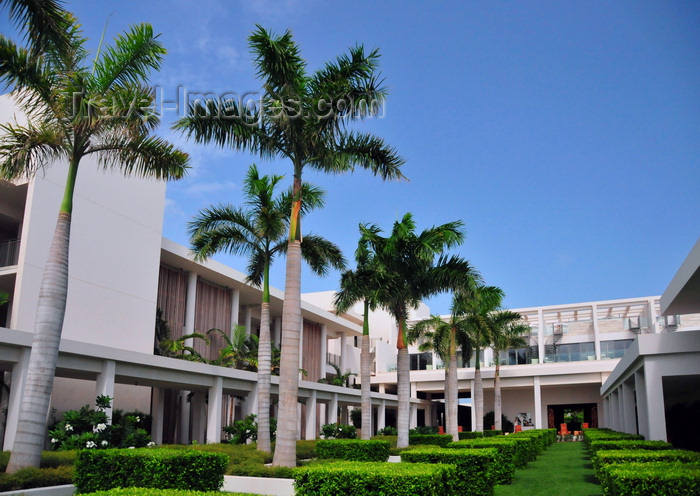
(278, 61)
(222, 228)
(43, 22)
(26, 149)
(26, 73)
(321, 255)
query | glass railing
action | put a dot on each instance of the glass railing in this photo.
(9, 252)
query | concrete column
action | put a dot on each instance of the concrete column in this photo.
(596, 331)
(250, 405)
(248, 319)
(277, 330)
(653, 317)
(184, 426)
(105, 385)
(655, 401)
(333, 410)
(629, 419)
(381, 415)
(413, 419)
(540, 335)
(642, 405)
(216, 398)
(157, 414)
(538, 402)
(235, 307)
(343, 353)
(604, 422)
(324, 350)
(616, 411)
(429, 410)
(198, 417)
(311, 416)
(19, 376)
(472, 384)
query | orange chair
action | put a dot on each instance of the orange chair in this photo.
(459, 428)
(585, 425)
(564, 430)
(518, 428)
(441, 430)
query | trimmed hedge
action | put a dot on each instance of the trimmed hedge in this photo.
(608, 457)
(612, 444)
(651, 479)
(31, 477)
(99, 470)
(49, 459)
(590, 435)
(543, 437)
(441, 440)
(479, 435)
(504, 468)
(353, 450)
(475, 467)
(368, 478)
(142, 491)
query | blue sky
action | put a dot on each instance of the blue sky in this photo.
(565, 135)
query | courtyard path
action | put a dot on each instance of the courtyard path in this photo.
(564, 469)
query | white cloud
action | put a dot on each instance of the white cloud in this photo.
(206, 189)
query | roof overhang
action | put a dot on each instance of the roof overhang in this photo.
(682, 296)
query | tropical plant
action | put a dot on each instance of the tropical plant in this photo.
(182, 347)
(259, 232)
(475, 307)
(242, 430)
(4, 298)
(339, 379)
(44, 24)
(362, 285)
(240, 350)
(414, 266)
(302, 117)
(338, 431)
(387, 431)
(507, 332)
(75, 111)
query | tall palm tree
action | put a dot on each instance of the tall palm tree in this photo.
(415, 267)
(507, 332)
(364, 284)
(302, 117)
(75, 111)
(474, 307)
(44, 23)
(259, 232)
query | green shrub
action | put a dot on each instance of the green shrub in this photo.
(366, 478)
(607, 457)
(441, 440)
(539, 438)
(49, 459)
(391, 439)
(243, 430)
(353, 450)
(306, 449)
(479, 435)
(27, 478)
(504, 468)
(142, 491)
(475, 467)
(338, 431)
(158, 468)
(251, 469)
(651, 479)
(423, 430)
(590, 435)
(388, 431)
(623, 444)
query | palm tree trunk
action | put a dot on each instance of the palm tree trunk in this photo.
(497, 397)
(478, 394)
(452, 390)
(285, 446)
(264, 373)
(365, 399)
(31, 428)
(403, 387)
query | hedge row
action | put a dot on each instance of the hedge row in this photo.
(651, 479)
(441, 440)
(608, 457)
(475, 467)
(49, 459)
(28, 478)
(99, 470)
(370, 478)
(142, 491)
(544, 437)
(590, 435)
(505, 460)
(353, 450)
(612, 444)
(479, 435)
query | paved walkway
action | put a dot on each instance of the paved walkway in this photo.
(564, 469)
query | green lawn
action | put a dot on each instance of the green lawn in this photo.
(564, 469)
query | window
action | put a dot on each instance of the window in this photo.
(421, 361)
(614, 349)
(573, 352)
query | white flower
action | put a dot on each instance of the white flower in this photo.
(137, 419)
(104, 442)
(54, 440)
(151, 444)
(90, 444)
(68, 427)
(99, 428)
(132, 447)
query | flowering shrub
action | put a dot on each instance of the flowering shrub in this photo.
(89, 428)
(242, 430)
(338, 431)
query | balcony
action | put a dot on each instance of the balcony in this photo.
(9, 252)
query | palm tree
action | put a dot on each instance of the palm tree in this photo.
(259, 232)
(362, 285)
(44, 23)
(414, 267)
(75, 111)
(507, 332)
(302, 117)
(474, 307)
(240, 351)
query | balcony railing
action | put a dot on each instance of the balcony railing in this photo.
(9, 252)
(333, 358)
